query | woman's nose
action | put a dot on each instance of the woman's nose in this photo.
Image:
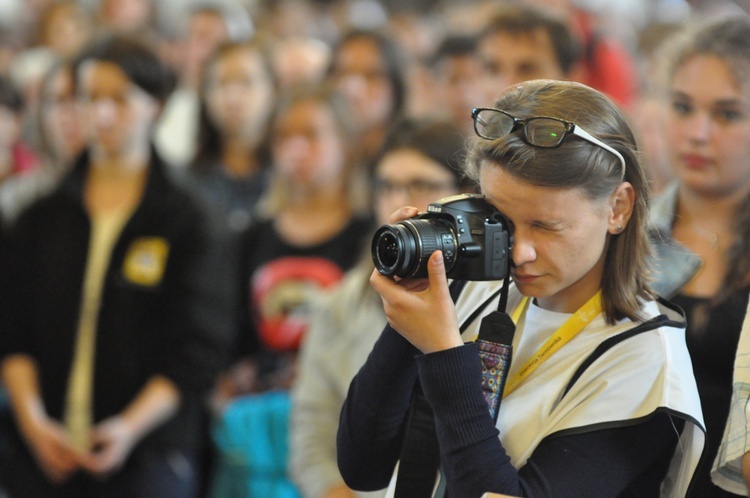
(700, 126)
(523, 251)
(105, 111)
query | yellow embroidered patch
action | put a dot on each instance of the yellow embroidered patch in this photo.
(146, 260)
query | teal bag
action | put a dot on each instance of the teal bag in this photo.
(252, 440)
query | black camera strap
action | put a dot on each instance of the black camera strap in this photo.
(420, 453)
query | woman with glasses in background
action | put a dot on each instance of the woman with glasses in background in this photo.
(600, 391)
(418, 164)
(702, 228)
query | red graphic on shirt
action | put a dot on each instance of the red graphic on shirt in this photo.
(282, 292)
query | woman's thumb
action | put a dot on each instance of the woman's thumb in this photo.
(436, 270)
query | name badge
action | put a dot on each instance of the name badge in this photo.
(146, 260)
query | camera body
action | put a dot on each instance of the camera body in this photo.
(472, 234)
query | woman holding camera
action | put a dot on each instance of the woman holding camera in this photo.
(600, 392)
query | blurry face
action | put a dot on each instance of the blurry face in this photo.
(561, 8)
(239, 94)
(300, 61)
(360, 74)
(126, 15)
(60, 119)
(206, 31)
(560, 237)
(406, 177)
(460, 83)
(512, 58)
(67, 30)
(708, 128)
(306, 146)
(117, 115)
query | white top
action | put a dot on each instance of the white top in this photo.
(631, 380)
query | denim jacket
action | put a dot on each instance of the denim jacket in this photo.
(674, 264)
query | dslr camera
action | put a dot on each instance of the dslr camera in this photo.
(471, 233)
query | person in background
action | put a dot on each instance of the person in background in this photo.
(649, 110)
(59, 137)
(606, 63)
(300, 60)
(60, 133)
(457, 70)
(313, 221)
(700, 222)
(208, 26)
(231, 167)
(419, 163)
(16, 157)
(313, 225)
(416, 37)
(64, 29)
(366, 69)
(521, 42)
(117, 329)
(133, 18)
(237, 99)
(600, 393)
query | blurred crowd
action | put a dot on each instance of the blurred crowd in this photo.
(432, 45)
(285, 131)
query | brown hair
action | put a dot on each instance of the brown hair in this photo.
(578, 164)
(522, 19)
(209, 144)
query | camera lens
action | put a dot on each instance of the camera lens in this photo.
(388, 249)
(403, 249)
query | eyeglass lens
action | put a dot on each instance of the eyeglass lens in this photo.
(540, 132)
(414, 188)
(492, 124)
(544, 132)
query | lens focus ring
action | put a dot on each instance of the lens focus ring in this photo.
(404, 248)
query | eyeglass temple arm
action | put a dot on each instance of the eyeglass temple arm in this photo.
(591, 138)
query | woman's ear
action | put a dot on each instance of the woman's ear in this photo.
(622, 202)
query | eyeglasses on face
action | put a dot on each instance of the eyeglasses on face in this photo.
(539, 131)
(415, 189)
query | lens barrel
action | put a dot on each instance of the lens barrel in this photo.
(402, 249)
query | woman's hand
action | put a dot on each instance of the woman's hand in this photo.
(47, 438)
(111, 441)
(53, 450)
(421, 310)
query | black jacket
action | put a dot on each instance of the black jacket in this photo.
(170, 317)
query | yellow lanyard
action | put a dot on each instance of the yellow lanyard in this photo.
(568, 330)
